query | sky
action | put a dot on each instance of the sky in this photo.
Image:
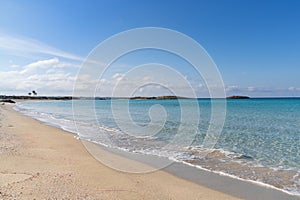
(254, 44)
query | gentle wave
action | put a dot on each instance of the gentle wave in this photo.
(227, 163)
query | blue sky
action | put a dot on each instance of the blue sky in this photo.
(255, 44)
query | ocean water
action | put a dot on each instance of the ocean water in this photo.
(260, 140)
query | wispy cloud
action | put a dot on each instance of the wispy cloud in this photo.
(143, 83)
(262, 91)
(232, 88)
(17, 45)
(294, 89)
(39, 64)
(14, 66)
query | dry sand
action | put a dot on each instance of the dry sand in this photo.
(43, 162)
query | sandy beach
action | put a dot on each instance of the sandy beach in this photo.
(151, 100)
(43, 162)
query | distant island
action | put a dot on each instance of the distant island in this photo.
(158, 97)
(238, 97)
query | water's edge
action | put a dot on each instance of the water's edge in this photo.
(230, 184)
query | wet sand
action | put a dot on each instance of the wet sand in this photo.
(43, 162)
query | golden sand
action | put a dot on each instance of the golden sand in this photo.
(43, 162)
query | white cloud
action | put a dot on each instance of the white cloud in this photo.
(46, 76)
(54, 77)
(50, 76)
(52, 63)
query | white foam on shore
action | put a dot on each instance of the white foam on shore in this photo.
(65, 125)
(293, 193)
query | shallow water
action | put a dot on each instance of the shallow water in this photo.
(260, 140)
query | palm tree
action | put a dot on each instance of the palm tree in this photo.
(29, 93)
(34, 92)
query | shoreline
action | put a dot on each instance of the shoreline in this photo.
(210, 180)
(46, 162)
(230, 184)
(156, 161)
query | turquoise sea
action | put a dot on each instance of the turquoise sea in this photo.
(260, 140)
